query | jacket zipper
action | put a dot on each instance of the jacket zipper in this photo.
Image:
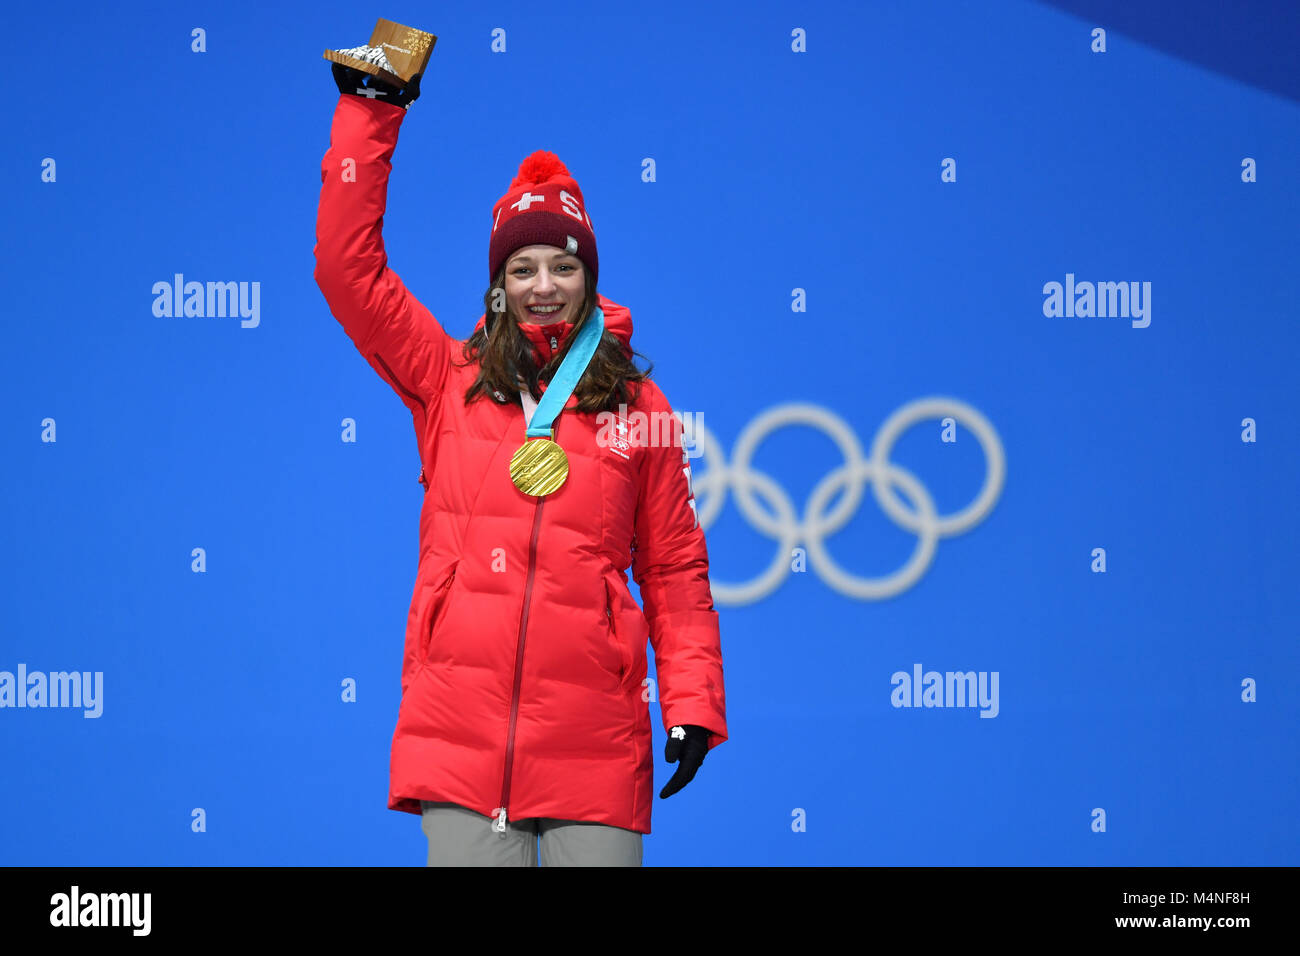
(400, 387)
(500, 812)
(413, 397)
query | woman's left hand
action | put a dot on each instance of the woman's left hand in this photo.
(688, 743)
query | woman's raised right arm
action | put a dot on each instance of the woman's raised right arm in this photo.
(397, 335)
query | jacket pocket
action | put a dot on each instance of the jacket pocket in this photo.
(611, 615)
(435, 608)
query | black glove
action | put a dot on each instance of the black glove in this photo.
(690, 743)
(359, 83)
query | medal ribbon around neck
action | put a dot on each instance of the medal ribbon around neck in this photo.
(539, 466)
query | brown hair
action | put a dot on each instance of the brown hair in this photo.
(507, 351)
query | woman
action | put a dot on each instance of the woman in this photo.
(524, 715)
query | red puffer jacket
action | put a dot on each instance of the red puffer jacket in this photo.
(522, 682)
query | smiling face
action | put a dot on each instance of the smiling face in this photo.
(541, 275)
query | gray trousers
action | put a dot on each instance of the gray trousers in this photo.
(459, 836)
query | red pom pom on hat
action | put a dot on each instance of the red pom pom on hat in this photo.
(538, 168)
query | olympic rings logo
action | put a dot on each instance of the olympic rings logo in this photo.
(811, 529)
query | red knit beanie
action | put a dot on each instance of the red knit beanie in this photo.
(543, 205)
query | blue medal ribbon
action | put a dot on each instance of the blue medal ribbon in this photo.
(540, 425)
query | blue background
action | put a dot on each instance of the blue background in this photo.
(775, 171)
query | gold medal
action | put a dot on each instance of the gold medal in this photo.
(538, 467)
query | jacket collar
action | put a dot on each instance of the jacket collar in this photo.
(618, 322)
(546, 339)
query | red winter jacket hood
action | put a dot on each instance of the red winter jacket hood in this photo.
(524, 688)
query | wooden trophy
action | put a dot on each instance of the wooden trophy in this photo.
(395, 53)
